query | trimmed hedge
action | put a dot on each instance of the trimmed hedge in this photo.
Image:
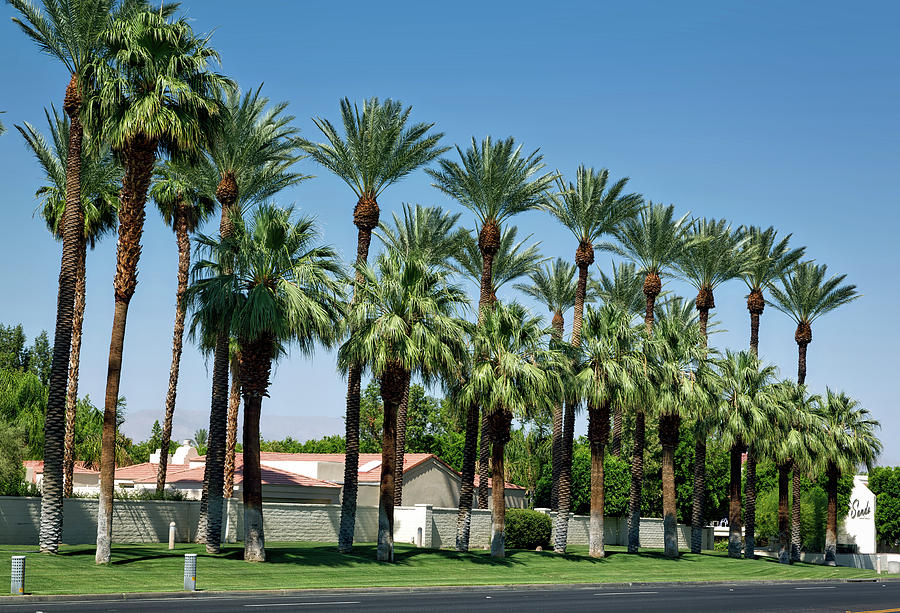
(526, 529)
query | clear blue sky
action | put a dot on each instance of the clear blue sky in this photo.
(766, 113)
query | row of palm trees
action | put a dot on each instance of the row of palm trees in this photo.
(141, 87)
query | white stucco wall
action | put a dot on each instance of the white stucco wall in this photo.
(859, 527)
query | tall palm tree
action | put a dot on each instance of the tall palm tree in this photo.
(100, 176)
(494, 180)
(70, 32)
(404, 322)
(608, 375)
(554, 286)
(804, 296)
(428, 233)
(184, 206)
(681, 387)
(746, 391)
(150, 91)
(234, 407)
(624, 289)
(251, 151)
(277, 286)
(589, 209)
(766, 261)
(379, 147)
(848, 437)
(511, 374)
(653, 241)
(711, 256)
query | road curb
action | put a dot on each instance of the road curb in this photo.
(212, 594)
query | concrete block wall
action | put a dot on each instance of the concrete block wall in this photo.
(301, 522)
(443, 528)
(145, 521)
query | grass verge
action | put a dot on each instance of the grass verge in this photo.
(151, 568)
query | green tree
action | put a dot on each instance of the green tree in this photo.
(884, 481)
(183, 207)
(848, 440)
(70, 32)
(12, 471)
(746, 390)
(654, 241)
(554, 286)
(149, 91)
(403, 323)
(379, 148)
(804, 296)
(200, 440)
(99, 184)
(512, 375)
(495, 181)
(276, 286)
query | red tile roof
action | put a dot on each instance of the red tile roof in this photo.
(507, 485)
(80, 468)
(270, 476)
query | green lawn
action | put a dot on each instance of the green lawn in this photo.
(149, 568)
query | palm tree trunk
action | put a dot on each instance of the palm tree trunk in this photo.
(617, 433)
(484, 461)
(784, 521)
(637, 485)
(698, 514)
(598, 428)
(401, 444)
(209, 528)
(256, 365)
(801, 363)
(500, 424)
(54, 420)
(754, 333)
(467, 487)
(74, 362)
(734, 503)
(668, 438)
(184, 263)
(795, 513)
(831, 521)
(365, 217)
(393, 382)
(750, 523)
(139, 160)
(556, 444)
(234, 405)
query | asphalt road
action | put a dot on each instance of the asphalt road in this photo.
(841, 597)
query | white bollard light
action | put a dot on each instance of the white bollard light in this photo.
(172, 535)
(190, 572)
(17, 577)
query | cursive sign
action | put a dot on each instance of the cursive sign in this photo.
(856, 512)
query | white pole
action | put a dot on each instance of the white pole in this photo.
(172, 535)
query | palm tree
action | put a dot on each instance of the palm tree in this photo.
(681, 387)
(792, 448)
(589, 210)
(511, 374)
(378, 149)
(428, 233)
(608, 376)
(200, 440)
(766, 261)
(277, 286)
(99, 180)
(68, 31)
(150, 91)
(805, 296)
(183, 207)
(250, 154)
(848, 438)
(711, 256)
(234, 406)
(403, 322)
(624, 289)
(554, 287)
(653, 241)
(746, 391)
(495, 181)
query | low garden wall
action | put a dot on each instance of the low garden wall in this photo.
(147, 521)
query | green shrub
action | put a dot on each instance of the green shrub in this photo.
(526, 529)
(813, 513)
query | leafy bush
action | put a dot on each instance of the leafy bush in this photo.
(526, 529)
(885, 484)
(139, 494)
(616, 477)
(813, 515)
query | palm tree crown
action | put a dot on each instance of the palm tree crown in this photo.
(848, 433)
(553, 285)
(429, 233)
(746, 392)
(179, 197)
(624, 288)
(512, 260)
(765, 262)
